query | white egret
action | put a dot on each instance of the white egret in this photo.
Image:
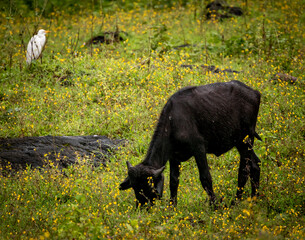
(36, 46)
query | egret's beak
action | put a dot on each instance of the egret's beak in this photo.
(48, 31)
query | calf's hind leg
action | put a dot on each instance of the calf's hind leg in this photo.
(254, 173)
(249, 166)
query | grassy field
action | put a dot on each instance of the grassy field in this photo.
(119, 89)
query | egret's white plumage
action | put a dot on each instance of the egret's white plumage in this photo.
(36, 46)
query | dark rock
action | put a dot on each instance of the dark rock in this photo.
(237, 11)
(284, 78)
(188, 66)
(107, 38)
(59, 150)
(220, 9)
(184, 46)
(210, 68)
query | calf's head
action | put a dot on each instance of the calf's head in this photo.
(147, 182)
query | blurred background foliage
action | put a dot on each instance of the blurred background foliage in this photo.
(46, 7)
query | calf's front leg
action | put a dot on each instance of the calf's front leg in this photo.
(205, 176)
(174, 181)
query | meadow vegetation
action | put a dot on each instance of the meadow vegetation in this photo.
(119, 89)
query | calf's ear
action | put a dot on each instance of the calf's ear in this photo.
(125, 184)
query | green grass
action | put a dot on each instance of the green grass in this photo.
(112, 90)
